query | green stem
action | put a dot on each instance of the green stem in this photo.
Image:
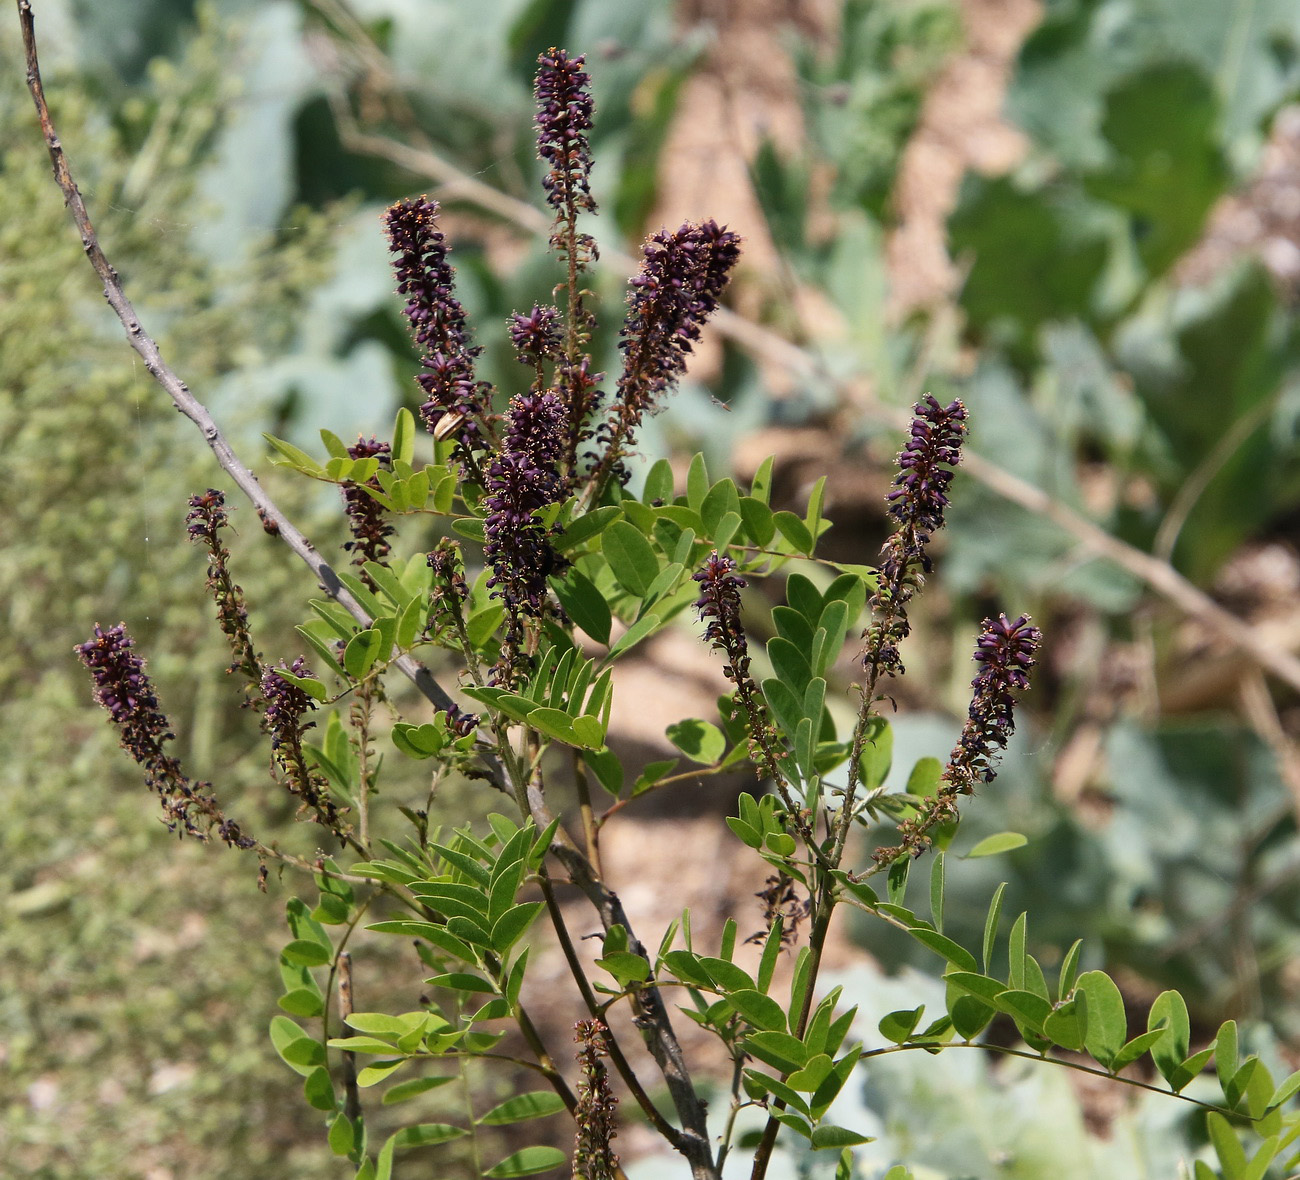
(1078, 1067)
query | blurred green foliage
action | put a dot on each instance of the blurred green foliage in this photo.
(130, 1033)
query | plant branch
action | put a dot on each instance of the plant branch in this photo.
(180, 393)
(1078, 1066)
(352, 1100)
(651, 1015)
(621, 1064)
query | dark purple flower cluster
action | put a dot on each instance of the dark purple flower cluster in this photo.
(525, 475)
(1005, 652)
(594, 1157)
(205, 521)
(920, 493)
(287, 707)
(536, 336)
(917, 503)
(459, 722)
(123, 688)
(781, 903)
(207, 516)
(564, 112)
(677, 289)
(437, 321)
(719, 604)
(367, 519)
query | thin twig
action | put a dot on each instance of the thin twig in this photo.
(1028, 1055)
(651, 1014)
(633, 1083)
(352, 1100)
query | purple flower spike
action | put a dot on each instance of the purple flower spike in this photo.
(920, 493)
(526, 475)
(1005, 652)
(437, 320)
(596, 1114)
(917, 503)
(287, 707)
(564, 112)
(677, 289)
(366, 516)
(536, 336)
(206, 520)
(123, 688)
(719, 604)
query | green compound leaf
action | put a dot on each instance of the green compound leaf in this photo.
(584, 604)
(534, 1105)
(970, 1016)
(830, 1136)
(1028, 1009)
(585, 527)
(626, 967)
(403, 437)
(1285, 1091)
(302, 1001)
(631, 557)
(299, 1052)
(1067, 1023)
(361, 653)
(700, 741)
(319, 1090)
(1170, 1051)
(1107, 1024)
(307, 953)
(761, 1011)
(527, 1162)
(342, 1135)
(898, 1026)
(1134, 1049)
(794, 531)
(407, 1090)
(983, 987)
(956, 954)
(424, 1134)
(372, 1075)
(998, 842)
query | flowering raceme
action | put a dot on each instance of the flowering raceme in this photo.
(536, 335)
(917, 503)
(564, 111)
(366, 517)
(287, 707)
(1005, 652)
(719, 605)
(524, 476)
(206, 519)
(594, 1157)
(437, 321)
(123, 688)
(677, 289)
